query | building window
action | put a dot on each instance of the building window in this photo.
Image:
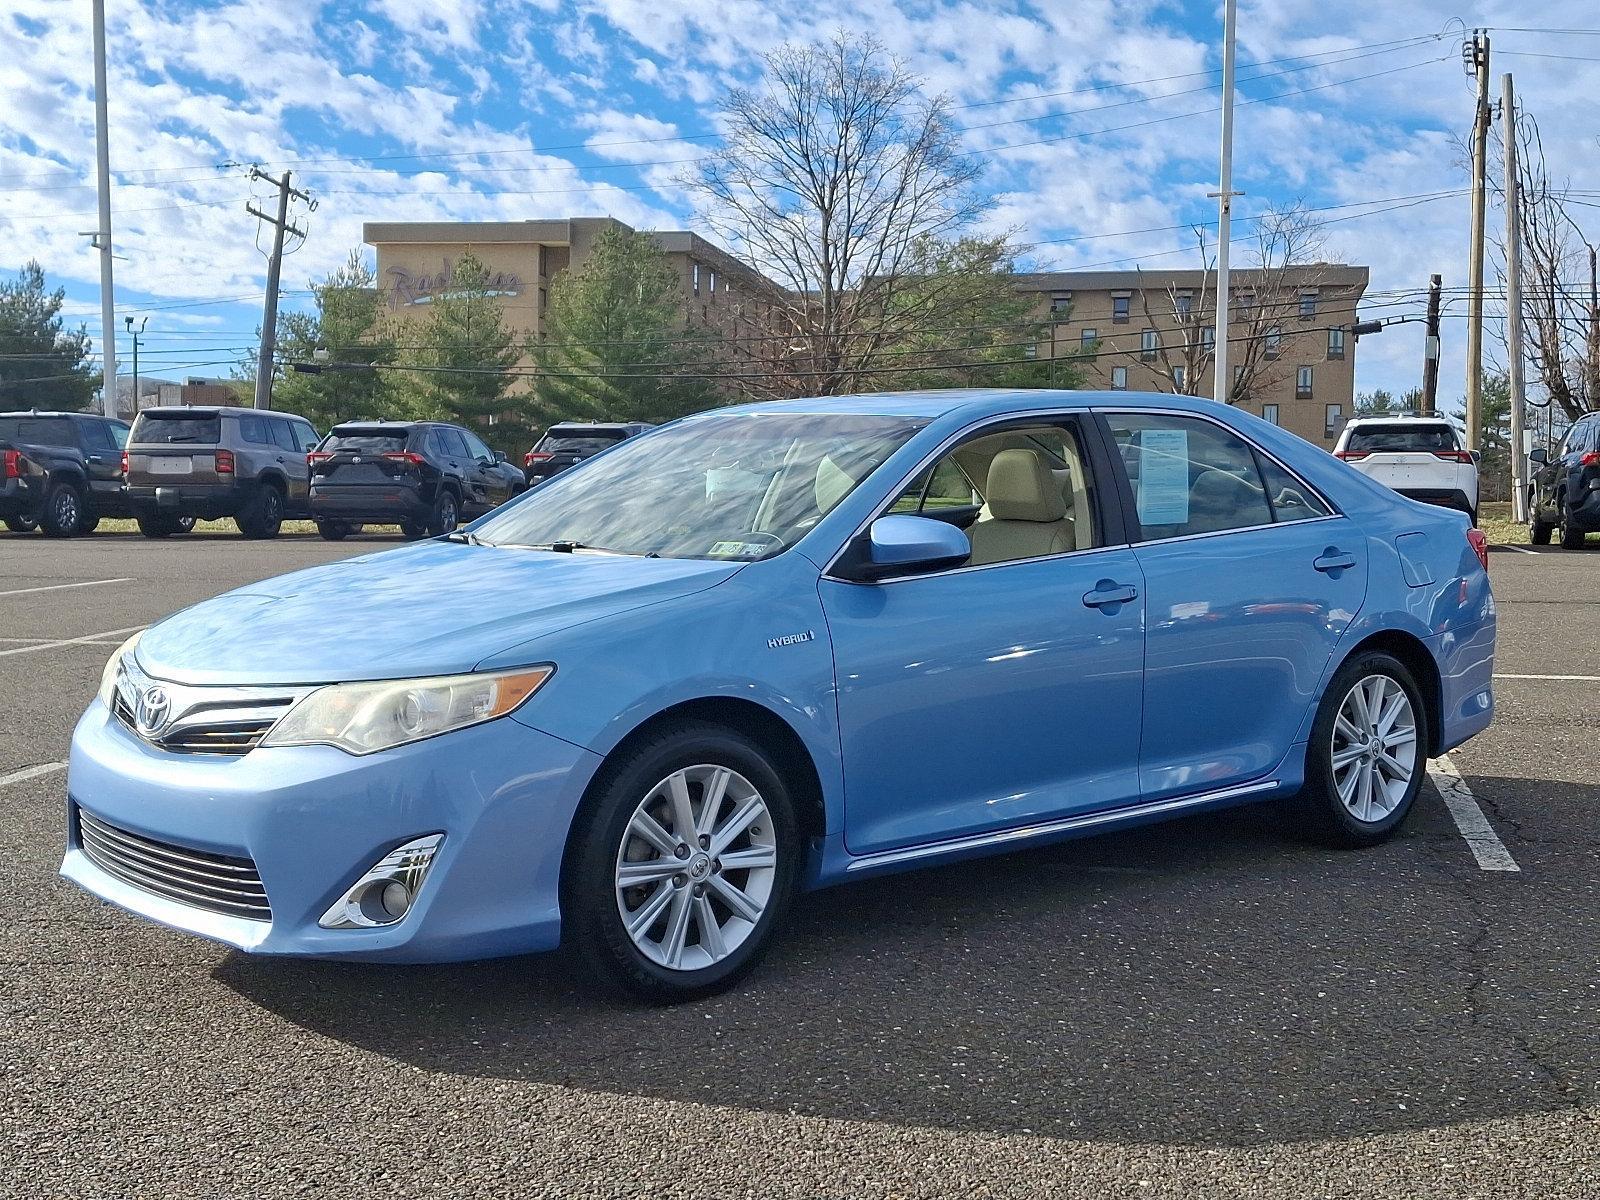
(1208, 338)
(1333, 418)
(1119, 379)
(1031, 350)
(1061, 302)
(1177, 378)
(1269, 414)
(1274, 342)
(1308, 305)
(1335, 343)
(711, 278)
(1087, 339)
(1302, 384)
(1184, 305)
(694, 278)
(1119, 310)
(1149, 342)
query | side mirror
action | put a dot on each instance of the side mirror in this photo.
(901, 543)
(1539, 456)
(1477, 456)
(500, 456)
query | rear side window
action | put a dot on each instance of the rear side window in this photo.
(159, 429)
(40, 431)
(255, 431)
(1379, 439)
(1291, 500)
(579, 441)
(1189, 476)
(305, 436)
(358, 441)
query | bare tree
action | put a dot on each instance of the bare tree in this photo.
(1183, 366)
(1561, 313)
(844, 184)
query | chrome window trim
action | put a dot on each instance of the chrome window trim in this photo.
(1046, 416)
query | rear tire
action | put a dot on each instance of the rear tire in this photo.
(446, 513)
(21, 524)
(753, 819)
(333, 531)
(412, 532)
(263, 516)
(1364, 768)
(62, 513)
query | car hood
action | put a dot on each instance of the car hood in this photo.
(432, 609)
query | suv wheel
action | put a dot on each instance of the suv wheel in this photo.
(681, 865)
(411, 531)
(1571, 535)
(1367, 755)
(334, 531)
(446, 513)
(160, 525)
(1538, 531)
(62, 513)
(263, 516)
(21, 523)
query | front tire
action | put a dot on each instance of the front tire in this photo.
(1538, 531)
(62, 513)
(681, 864)
(1367, 755)
(1571, 536)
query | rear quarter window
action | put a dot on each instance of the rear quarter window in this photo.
(1379, 439)
(161, 430)
(40, 431)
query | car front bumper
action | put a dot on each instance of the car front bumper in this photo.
(314, 819)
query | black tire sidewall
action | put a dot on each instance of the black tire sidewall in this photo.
(264, 516)
(1321, 793)
(592, 926)
(437, 522)
(48, 522)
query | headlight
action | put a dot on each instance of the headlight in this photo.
(364, 717)
(108, 677)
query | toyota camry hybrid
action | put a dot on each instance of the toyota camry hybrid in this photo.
(777, 647)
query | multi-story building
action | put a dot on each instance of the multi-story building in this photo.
(1292, 359)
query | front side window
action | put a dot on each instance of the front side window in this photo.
(97, 436)
(1189, 476)
(305, 436)
(475, 446)
(1020, 493)
(729, 486)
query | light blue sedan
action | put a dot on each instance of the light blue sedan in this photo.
(777, 647)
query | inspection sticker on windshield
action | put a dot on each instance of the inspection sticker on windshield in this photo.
(739, 549)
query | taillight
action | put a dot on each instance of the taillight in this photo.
(1351, 455)
(313, 457)
(124, 464)
(1591, 459)
(224, 461)
(1458, 456)
(535, 456)
(11, 464)
(1480, 546)
(410, 457)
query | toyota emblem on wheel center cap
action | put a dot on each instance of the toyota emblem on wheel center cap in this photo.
(153, 709)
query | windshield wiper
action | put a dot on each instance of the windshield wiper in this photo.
(463, 538)
(567, 547)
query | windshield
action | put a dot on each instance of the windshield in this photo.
(1381, 438)
(176, 429)
(737, 486)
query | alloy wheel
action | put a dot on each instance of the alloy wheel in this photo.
(66, 509)
(696, 867)
(1374, 748)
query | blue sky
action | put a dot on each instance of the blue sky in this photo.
(1096, 121)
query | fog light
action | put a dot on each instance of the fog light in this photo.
(387, 891)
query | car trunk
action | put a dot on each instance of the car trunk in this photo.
(557, 451)
(364, 459)
(177, 448)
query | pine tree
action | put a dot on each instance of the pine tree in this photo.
(42, 363)
(348, 323)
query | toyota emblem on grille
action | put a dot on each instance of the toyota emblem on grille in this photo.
(153, 710)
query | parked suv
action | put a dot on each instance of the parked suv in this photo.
(60, 471)
(564, 446)
(424, 476)
(244, 463)
(1565, 493)
(1420, 457)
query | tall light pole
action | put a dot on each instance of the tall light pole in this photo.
(102, 147)
(1477, 59)
(1519, 472)
(1222, 384)
(128, 324)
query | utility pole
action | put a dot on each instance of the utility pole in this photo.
(1430, 351)
(269, 318)
(137, 333)
(1476, 56)
(1221, 382)
(1519, 471)
(102, 154)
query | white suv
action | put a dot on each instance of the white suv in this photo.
(1420, 457)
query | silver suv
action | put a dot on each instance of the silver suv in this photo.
(186, 463)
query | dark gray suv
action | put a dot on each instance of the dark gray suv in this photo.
(212, 462)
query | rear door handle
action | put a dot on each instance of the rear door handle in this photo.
(1107, 592)
(1333, 560)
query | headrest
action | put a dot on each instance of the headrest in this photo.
(1021, 488)
(832, 486)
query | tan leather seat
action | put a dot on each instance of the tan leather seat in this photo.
(1027, 514)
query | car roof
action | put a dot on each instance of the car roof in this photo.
(606, 425)
(1379, 419)
(39, 412)
(974, 402)
(214, 410)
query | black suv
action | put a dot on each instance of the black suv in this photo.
(217, 461)
(424, 476)
(564, 446)
(1565, 493)
(60, 472)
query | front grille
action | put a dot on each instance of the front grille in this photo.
(206, 720)
(217, 883)
(235, 737)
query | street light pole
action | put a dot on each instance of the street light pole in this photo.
(127, 323)
(1221, 384)
(102, 145)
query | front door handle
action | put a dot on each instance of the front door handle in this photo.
(1108, 592)
(1333, 560)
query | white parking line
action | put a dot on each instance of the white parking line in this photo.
(31, 772)
(1518, 549)
(1480, 836)
(55, 587)
(1571, 678)
(87, 638)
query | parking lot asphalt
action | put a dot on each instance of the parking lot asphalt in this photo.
(1204, 1008)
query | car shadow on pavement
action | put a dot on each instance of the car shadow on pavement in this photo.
(1208, 981)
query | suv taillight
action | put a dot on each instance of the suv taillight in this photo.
(1457, 456)
(1591, 459)
(313, 457)
(11, 464)
(124, 464)
(410, 457)
(1480, 546)
(224, 459)
(535, 456)
(1351, 455)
